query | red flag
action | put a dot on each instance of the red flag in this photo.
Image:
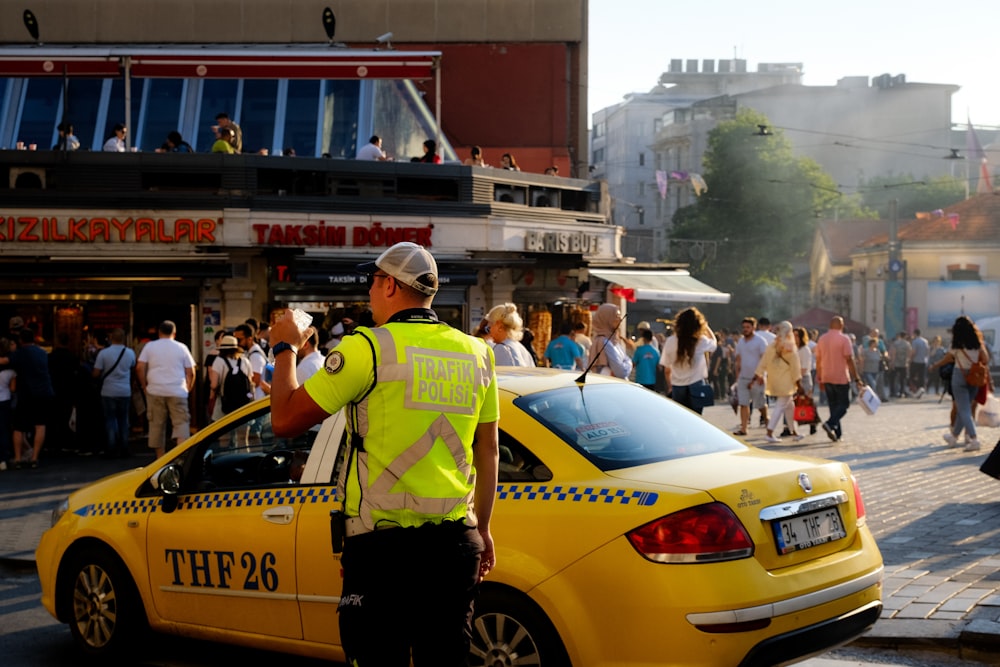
(624, 292)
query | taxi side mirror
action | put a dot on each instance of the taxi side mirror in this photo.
(168, 482)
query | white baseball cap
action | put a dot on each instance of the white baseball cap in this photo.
(408, 263)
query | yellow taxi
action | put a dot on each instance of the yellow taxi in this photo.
(629, 531)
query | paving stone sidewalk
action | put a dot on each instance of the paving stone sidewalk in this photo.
(935, 516)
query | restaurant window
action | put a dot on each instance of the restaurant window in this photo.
(257, 114)
(39, 113)
(340, 118)
(114, 112)
(301, 117)
(161, 112)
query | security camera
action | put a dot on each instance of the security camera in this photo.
(383, 39)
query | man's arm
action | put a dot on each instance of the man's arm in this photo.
(486, 457)
(140, 372)
(293, 410)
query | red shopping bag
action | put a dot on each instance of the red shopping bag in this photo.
(805, 409)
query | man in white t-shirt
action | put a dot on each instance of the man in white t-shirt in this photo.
(372, 151)
(166, 373)
(310, 359)
(246, 336)
(749, 350)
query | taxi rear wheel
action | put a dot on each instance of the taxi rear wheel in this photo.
(106, 611)
(508, 629)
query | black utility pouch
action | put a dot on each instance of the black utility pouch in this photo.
(337, 529)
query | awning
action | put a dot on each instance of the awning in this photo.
(661, 286)
(248, 62)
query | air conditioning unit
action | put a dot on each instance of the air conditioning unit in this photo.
(508, 194)
(545, 198)
(27, 178)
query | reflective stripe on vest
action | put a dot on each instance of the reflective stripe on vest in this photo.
(435, 381)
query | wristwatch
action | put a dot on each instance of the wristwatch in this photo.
(278, 348)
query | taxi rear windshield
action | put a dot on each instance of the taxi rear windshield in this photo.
(623, 425)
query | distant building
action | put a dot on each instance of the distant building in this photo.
(855, 129)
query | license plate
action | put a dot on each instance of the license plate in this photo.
(808, 530)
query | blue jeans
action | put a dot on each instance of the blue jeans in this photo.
(838, 397)
(116, 422)
(964, 395)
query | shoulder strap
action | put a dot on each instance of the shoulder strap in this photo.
(113, 367)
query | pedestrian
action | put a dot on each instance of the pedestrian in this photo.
(430, 153)
(508, 162)
(783, 372)
(581, 338)
(246, 336)
(115, 143)
(372, 151)
(646, 360)
(871, 363)
(113, 370)
(33, 395)
(8, 381)
(224, 144)
(563, 352)
(967, 348)
(506, 332)
(165, 371)
(67, 141)
(835, 370)
(920, 351)
(899, 358)
(210, 358)
(807, 364)
(175, 144)
(937, 351)
(309, 358)
(235, 132)
(685, 365)
(418, 538)
(749, 351)
(718, 365)
(608, 355)
(475, 158)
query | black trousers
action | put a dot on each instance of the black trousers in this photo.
(410, 589)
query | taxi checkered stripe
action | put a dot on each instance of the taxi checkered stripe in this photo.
(220, 500)
(575, 494)
(257, 498)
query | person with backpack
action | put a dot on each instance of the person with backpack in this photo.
(231, 378)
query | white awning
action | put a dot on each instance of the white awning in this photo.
(661, 285)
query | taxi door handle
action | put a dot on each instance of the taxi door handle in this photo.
(279, 515)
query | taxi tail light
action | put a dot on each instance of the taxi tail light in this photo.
(858, 500)
(703, 534)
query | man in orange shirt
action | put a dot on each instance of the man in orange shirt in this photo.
(835, 370)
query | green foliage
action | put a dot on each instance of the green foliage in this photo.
(762, 204)
(912, 196)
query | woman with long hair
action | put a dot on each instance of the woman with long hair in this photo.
(506, 328)
(967, 348)
(683, 359)
(607, 350)
(781, 365)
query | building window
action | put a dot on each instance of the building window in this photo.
(642, 159)
(599, 156)
(642, 189)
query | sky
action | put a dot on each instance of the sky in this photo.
(633, 41)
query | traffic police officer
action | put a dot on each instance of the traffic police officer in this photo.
(421, 472)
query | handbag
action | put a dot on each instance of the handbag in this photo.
(991, 466)
(978, 373)
(869, 400)
(702, 395)
(989, 413)
(805, 409)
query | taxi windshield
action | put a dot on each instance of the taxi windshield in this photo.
(623, 425)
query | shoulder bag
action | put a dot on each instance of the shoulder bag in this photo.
(978, 374)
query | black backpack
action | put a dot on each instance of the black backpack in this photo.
(237, 389)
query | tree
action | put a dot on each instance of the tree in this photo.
(913, 196)
(761, 206)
